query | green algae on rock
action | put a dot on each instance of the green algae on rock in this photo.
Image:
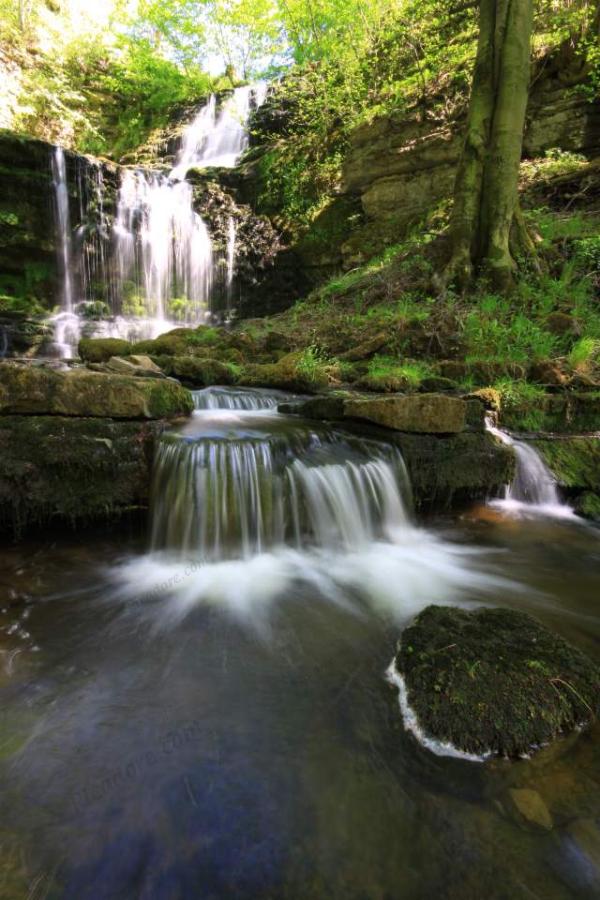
(494, 681)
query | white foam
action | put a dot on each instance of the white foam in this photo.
(411, 723)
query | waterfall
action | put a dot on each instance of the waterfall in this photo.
(534, 487)
(218, 139)
(63, 226)
(164, 245)
(228, 497)
(154, 268)
(248, 399)
(231, 239)
(249, 507)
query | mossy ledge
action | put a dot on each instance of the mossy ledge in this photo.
(72, 470)
(494, 681)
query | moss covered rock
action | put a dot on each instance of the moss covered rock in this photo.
(575, 462)
(34, 390)
(494, 680)
(99, 350)
(197, 372)
(76, 470)
(296, 372)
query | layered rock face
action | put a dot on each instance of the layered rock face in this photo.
(77, 446)
(401, 167)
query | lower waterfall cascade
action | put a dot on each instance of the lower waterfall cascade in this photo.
(154, 262)
(250, 502)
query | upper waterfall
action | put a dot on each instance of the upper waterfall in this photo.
(154, 264)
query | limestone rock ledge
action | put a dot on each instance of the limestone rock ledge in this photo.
(77, 446)
(36, 390)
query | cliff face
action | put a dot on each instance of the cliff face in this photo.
(399, 168)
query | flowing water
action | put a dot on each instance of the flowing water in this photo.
(534, 490)
(153, 262)
(210, 717)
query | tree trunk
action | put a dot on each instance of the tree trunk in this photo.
(486, 189)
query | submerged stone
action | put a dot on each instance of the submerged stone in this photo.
(494, 680)
(30, 390)
(531, 807)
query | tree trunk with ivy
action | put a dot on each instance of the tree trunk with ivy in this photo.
(487, 228)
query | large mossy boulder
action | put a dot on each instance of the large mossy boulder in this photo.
(421, 413)
(494, 681)
(36, 390)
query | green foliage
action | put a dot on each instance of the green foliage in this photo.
(583, 353)
(310, 363)
(410, 373)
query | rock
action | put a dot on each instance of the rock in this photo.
(197, 372)
(99, 350)
(366, 349)
(275, 341)
(77, 470)
(547, 372)
(135, 365)
(456, 370)
(424, 413)
(588, 505)
(557, 412)
(292, 373)
(490, 398)
(435, 383)
(21, 335)
(531, 808)
(30, 390)
(448, 472)
(495, 680)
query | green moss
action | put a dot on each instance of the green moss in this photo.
(98, 350)
(575, 461)
(198, 372)
(495, 680)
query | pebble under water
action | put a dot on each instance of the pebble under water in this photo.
(200, 721)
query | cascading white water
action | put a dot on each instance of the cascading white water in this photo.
(63, 224)
(248, 399)
(159, 236)
(218, 139)
(534, 488)
(232, 497)
(155, 265)
(65, 322)
(249, 507)
(162, 246)
(231, 242)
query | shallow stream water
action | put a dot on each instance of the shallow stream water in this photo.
(173, 727)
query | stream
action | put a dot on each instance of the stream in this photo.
(203, 712)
